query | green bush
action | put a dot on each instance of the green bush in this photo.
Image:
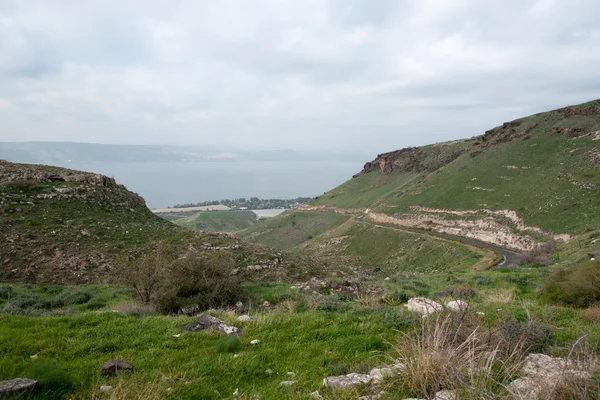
(301, 306)
(5, 292)
(578, 286)
(51, 378)
(95, 304)
(391, 318)
(228, 344)
(78, 297)
(332, 302)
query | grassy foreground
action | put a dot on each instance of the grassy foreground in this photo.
(312, 332)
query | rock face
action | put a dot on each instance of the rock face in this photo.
(207, 321)
(541, 372)
(423, 306)
(111, 367)
(17, 388)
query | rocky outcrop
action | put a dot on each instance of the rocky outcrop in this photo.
(411, 159)
(375, 376)
(591, 108)
(541, 373)
(209, 322)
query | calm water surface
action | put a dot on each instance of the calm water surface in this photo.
(165, 184)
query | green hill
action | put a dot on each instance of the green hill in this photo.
(64, 226)
(527, 185)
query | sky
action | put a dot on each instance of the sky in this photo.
(326, 75)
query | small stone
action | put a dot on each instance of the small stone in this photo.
(244, 318)
(236, 355)
(291, 374)
(269, 371)
(34, 357)
(169, 389)
(316, 395)
(446, 395)
(111, 367)
(17, 388)
(266, 304)
(237, 392)
(105, 388)
(457, 306)
(387, 278)
(286, 383)
(255, 341)
(178, 335)
(344, 382)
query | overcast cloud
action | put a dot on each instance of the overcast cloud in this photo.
(356, 75)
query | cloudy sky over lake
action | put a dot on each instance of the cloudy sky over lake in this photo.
(355, 75)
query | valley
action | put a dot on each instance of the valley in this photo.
(441, 270)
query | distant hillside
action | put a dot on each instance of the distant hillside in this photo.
(218, 221)
(522, 185)
(64, 226)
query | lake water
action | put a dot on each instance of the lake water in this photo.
(165, 184)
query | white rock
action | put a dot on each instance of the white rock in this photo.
(457, 306)
(105, 388)
(169, 389)
(387, 278)
(236, 355)
(423, 306)
(480, 313)
(178, 335)
(379, 374)
(291, 374)
(316, 395)
(34, 357)
(244, 318)
(524, 388)
(237, 392)
(343, 382)
(286, 383)
(255, 341)
(269, 371)
(446, 395)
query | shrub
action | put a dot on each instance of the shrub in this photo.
(51, 377)
(5, 292)
(171, 281)
(483, 280)
(463, 292)
(391, 318)
(228, 344)
(395, 299)
(332, 302)
(301, 306)
(95, 304)
(23, 185)
(534, 336)
(577, 286)
(78, 297)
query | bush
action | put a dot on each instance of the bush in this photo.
(51, 377)
(483, 280)
(170, 281)
(533, 336)
(301, 306)
(78, 297)
(228, 344)
(332, 302)
(391, 318)
(463, 292)
(578, 286)
(5, 292)
(95, 304)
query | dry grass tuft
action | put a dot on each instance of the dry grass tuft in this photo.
(593, 313)
(502, 296)
(457, 353)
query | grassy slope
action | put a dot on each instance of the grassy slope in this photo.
(219, 221)
(77, 232)
(292, 228)
(548, 179)
(555, 185)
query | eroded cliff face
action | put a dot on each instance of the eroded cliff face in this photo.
(413, 159)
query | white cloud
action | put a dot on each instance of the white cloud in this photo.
(352, 74)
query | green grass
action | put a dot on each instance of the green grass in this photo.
(292, 228)
(218, 221)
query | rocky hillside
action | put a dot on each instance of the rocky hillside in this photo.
(64, 226)
(529, 185)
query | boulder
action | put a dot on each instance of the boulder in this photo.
(17, 388)
(457, 306)
(205, 321)
(344, 382)
(423, 306)
(379, 374)
(111, 367)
